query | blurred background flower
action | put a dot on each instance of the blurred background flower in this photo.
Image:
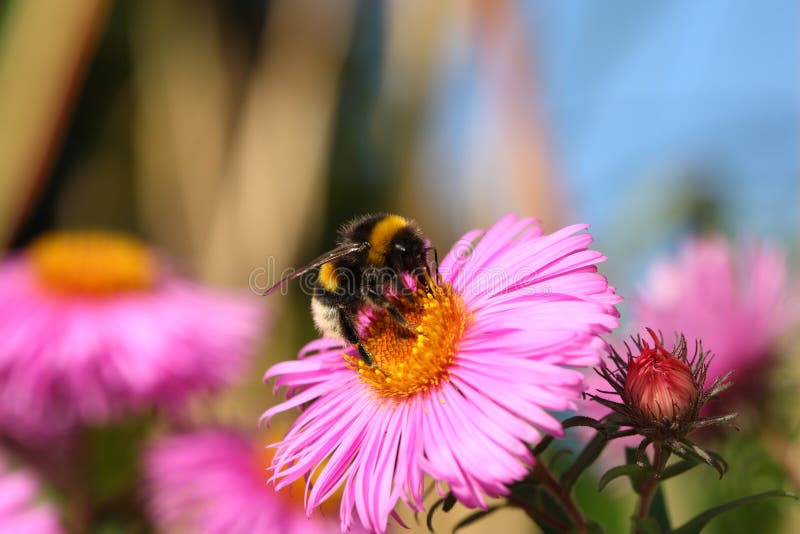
(21, 507)
(93, 325)
(736, 300)
(236, 136)
(215, 481)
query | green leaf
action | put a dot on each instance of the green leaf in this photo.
(646, 525)
(586, 458)
(609, 509)
(546, 527)
(629, 470)
(695, 525)
(558, 455)
(658, 510)
(449, 502)
(545, 509)
(474, 517)
(446, 503)
(429, 518)
(677, 468)
(524, 491)
(630, 455)
(593, 527)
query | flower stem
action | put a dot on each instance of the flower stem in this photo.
(650, 484)
(563, 496)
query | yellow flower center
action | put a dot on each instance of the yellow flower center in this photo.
(92, 263)
(411, 362)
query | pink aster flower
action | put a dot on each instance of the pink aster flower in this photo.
(513, 313)
(213, 481)
(94, 324)
(735, 301)
(20, 509)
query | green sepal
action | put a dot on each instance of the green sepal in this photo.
(678, 468)
(689, 451)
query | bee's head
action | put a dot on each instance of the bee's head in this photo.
(408, 253)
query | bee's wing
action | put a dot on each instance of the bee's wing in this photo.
(338, 252)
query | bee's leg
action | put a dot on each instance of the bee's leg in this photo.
(395, 313)
(380, 300)
(430, 276)
(351, 335)
(424, 279)
(365, 355)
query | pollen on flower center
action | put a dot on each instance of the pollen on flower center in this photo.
(406, 362)
(92, 263)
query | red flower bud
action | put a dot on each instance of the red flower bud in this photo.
(661, 394)
(660, 385)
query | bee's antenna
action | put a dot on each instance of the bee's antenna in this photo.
(272, 289)
(436, 263)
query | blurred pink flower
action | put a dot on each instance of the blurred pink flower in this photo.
(214, 481)
(736, 301)
(20, 506)
(461, 401)
(93, 324)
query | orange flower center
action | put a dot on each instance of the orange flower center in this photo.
(92, 263)
(409, 362)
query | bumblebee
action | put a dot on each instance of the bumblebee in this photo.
(376, 255)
